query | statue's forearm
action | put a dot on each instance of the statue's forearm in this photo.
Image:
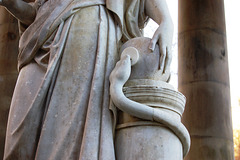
(158, 11)
(20, 9)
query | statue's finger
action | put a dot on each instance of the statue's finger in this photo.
(153, 42)
(163, 51)
(168, 60)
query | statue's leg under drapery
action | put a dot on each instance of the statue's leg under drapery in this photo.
(76, 122)
(21, 141)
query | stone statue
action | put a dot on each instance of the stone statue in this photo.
(61, 108)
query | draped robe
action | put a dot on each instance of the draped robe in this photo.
(61, 108)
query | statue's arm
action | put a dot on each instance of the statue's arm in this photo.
(158, 11)
(21, 10)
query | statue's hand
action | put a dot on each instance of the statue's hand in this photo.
(122, 70)
(163, 36)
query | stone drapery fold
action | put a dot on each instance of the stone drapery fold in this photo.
(60, 106)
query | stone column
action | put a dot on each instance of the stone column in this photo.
(204, 79)
(8, 68)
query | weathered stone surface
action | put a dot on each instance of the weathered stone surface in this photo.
(147, 141)
(203, 56)
(201, 15)
(210, 148)
(204, 79)
(210, 115)
(8, 68)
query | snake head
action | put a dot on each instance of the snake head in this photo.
(122, 70)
